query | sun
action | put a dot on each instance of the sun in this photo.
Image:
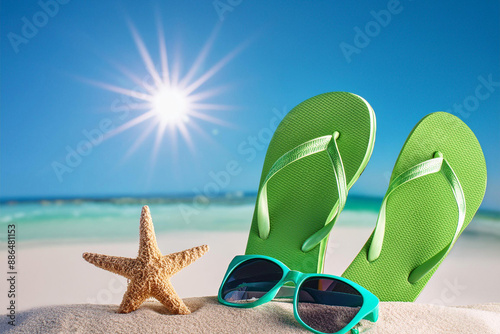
(171, 106)
(172, 103)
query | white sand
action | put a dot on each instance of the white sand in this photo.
(57, 274)
(277, 317)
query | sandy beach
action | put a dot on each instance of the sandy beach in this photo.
(209, 316)
(52, 274)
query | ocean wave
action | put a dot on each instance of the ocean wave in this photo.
(113, 220)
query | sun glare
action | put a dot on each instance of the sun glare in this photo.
(171, 105)
(173, 102)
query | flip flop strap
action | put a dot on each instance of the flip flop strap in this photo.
(320, 144)
(431, 166)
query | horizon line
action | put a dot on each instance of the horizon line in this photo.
(231, 195)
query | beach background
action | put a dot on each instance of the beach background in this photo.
(109, 106)
(52, 235)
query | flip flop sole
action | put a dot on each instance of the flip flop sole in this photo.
(422, 215)
(301, 195)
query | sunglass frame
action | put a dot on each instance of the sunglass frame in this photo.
(368, 310)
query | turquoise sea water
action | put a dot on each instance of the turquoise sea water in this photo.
(118, 219)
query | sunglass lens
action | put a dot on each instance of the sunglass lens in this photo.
(327, 305)
(251, 280)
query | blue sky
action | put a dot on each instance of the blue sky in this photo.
(427, 57)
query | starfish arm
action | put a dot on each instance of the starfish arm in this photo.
(165, 293)
(148, 248)
(116, 264)
(174, 262)
(137, 292)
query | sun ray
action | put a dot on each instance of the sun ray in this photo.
(138, 81)
(121, 90)
(203, 133)
(158, 138)
(129, 124)
(163, 52)
(212, 106)
(214, 69)
(173, 142)
(140, 106)
(138, 141)
(207, 93)
(175, 73)
(210, 119)
(187, 137)
(125, 71)
(145, 55)
(201, 57)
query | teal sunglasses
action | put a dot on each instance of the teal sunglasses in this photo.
(321, 303)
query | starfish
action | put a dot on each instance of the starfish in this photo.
(150, 272)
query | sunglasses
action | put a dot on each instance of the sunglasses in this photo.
(321, 303)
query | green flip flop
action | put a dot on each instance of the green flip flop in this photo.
(316, 154)
(436, 187)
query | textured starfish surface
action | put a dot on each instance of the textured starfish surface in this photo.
(150, 272)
